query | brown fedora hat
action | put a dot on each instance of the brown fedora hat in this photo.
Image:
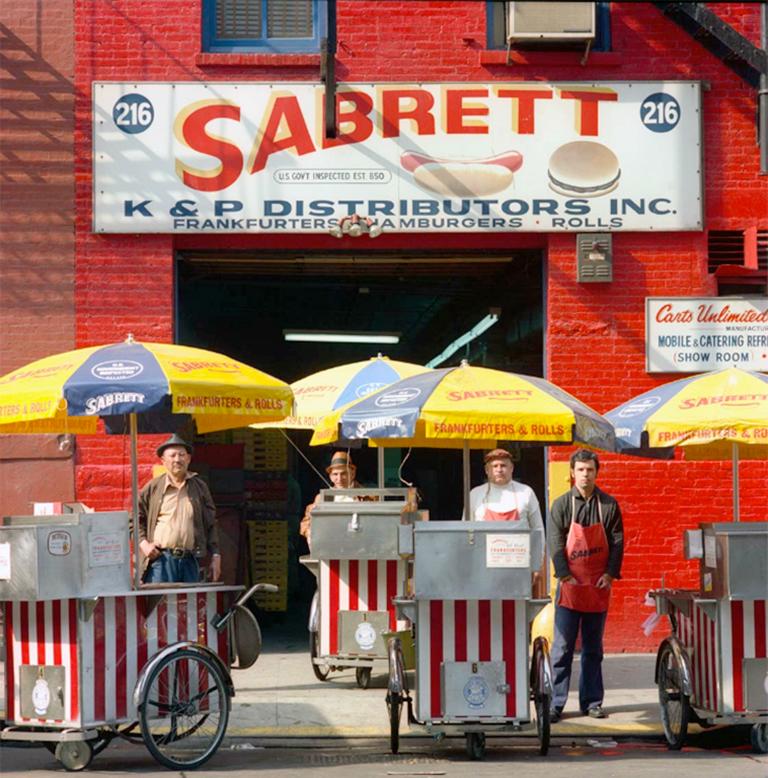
(174, 440)
(340, 459)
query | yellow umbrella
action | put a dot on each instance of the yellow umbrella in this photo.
(471, 407)
(321, 393)
(162, 384)
(713, 416)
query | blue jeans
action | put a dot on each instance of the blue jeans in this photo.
(567, 623)
(168, 568)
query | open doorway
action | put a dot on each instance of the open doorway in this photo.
(239, 303)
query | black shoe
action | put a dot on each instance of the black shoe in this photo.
(555, 715)
(597, 712)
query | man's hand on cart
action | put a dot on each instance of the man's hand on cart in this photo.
(150, 550)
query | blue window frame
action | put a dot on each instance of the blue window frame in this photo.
(266, 26)
(497, 38)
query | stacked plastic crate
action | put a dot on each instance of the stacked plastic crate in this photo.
(265, 464)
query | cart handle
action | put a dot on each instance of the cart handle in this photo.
(219, 622)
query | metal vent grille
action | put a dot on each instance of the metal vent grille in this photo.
(238, 19)
(289, 19)
(726, 247)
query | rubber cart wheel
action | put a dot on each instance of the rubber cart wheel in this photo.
(475, 746)
(363, 677)
(184, 710)
(74, 755)
(758, 736)
(674, 703)
(397, 692)
(542, 700)
(321, 671)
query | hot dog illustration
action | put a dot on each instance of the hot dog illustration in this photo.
(462, 177)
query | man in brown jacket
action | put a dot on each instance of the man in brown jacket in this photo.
(177, 520)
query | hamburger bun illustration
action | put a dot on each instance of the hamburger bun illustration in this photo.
(462, 177)
(583, 168)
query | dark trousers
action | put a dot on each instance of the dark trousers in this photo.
(567, 624)
(168, 568)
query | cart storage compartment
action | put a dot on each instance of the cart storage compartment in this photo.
(73, 555)
(474, 689)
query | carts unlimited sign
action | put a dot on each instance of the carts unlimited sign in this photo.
(695, 335)
(430, 157)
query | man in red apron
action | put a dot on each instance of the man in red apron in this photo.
(502, 499)
(586, 542)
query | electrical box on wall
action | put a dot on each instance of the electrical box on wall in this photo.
(550, 21)
(594, 257)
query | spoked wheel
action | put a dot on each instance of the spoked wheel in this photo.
(542, 700)
(74, 755)
(321, 671)
(184, 710)
(397, 692)
(675, 705)
(758, 736)
(475, 746)
(363, 677)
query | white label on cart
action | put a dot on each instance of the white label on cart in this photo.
(5, 561)
(710, 551)
(365, 635)
(105, 548)
(41, 696)
(59, 543)
(507, 550)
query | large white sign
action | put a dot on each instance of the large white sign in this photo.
(467, 157)
(698, 334)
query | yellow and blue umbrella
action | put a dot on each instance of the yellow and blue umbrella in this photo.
(163, 384)
(468, 407)
(718, 415)
(321, 393)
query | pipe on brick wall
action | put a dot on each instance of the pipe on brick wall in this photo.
(762, 99)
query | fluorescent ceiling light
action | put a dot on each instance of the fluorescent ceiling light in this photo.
(468, 336)
(328, 336)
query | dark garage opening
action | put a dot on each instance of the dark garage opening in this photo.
(240, 303)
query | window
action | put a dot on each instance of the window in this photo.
(263, 25)
(497, 28)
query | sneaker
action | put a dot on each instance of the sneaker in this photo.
(555, 715)
(597, 712)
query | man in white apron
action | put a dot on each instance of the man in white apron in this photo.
(586, 542)
(502, 499)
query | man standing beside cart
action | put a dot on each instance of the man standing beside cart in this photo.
(586, 542)
(177, 520)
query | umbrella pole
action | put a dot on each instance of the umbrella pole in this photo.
(134, 431)
(380, 466)
(735, 466)
(465, 479)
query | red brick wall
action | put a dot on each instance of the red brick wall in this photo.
(37, 312)
(595, 342)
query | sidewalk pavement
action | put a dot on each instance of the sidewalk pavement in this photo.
(279, 696)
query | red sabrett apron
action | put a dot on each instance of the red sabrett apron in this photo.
(489, 515)
(587, 552)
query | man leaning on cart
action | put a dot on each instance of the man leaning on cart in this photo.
(177, 520)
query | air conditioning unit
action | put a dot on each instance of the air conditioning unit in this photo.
(548, 21)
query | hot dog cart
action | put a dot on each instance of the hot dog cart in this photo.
(471, 607)
(713, 668)
(359, 571)
(88, 658)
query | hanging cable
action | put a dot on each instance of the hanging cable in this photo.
(400, 470)
(304, 457)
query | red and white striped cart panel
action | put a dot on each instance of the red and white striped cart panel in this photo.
(471, 631)
(718, 647)
(357, 585)
(103, 651)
